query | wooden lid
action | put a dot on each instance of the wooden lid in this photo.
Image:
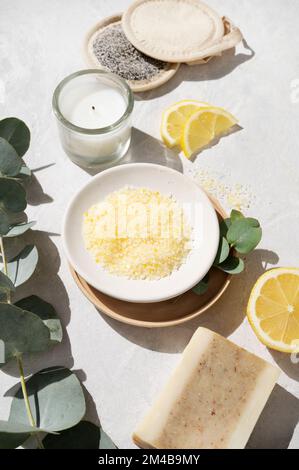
(172, 30)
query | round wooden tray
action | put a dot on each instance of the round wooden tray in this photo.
(135, 85)
(159, 314)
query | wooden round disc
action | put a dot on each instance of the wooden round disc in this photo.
(159, 314)
(136, 85)
(172, 30)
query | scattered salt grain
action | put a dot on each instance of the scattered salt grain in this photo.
(234, 196)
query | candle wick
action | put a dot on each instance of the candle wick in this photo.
(93, 108)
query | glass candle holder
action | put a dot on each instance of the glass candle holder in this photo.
(93, 110)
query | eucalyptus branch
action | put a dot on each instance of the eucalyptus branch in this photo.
(26, 399)
(19, 359)
(239, 235)
(24, 390)
(31, 325)
(4, 266)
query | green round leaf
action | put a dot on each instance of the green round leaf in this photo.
(56, 399)
(244, 235)
(223, 251)
(106, 442)
(22, 266)
(10, 162)
(46, 312)
(12, 435)
(84, 435)
(12, 195)
(12, 440)
(21, 332)
(5, 284)
(236, 215)
(232, 265)
(24, 173)
(19, 229)
(202, 286)
(253, 222)
(4, 222)
(16, 133)
(224, 226)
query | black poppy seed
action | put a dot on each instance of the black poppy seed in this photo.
(113, 50)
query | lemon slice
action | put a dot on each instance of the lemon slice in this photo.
(203, 126)
(174, 119)
(273, 309)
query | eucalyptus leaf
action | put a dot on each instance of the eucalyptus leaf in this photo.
(244, 235)
(19, 229)
(46, 312)
(224, 226)
(106, 442)
(236, 215)
(56, 399)
(223, 251)
(12, 440)
(253, 222)
(12, 435)
(232, 265)
(6, 284)
(84, 435)
(14, 427)
(22, 266)
(4, 222)
(10, 162)
(16, 133)
(24, 173)
(202, 286)
(12, 195)
(21, 332)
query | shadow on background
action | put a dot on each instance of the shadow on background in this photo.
(35, 193)
(217, 67)
(276, 425)
(284, 361)
(223, 318)
(147, 149)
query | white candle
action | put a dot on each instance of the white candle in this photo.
(94, 110)
(98, 109)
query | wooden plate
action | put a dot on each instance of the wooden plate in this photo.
(159, 314)
(135, 85)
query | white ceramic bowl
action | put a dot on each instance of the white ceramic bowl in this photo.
(201, 217)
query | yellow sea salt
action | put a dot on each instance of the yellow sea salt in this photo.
(137, 233)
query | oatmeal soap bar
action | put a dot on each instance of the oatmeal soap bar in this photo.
(212, 400)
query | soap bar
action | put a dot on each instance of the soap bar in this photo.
(212, 400)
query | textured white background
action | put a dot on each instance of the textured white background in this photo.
(123, 367)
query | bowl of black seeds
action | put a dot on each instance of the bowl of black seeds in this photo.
(107, 47)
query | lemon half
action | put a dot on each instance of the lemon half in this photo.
(273, 309)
